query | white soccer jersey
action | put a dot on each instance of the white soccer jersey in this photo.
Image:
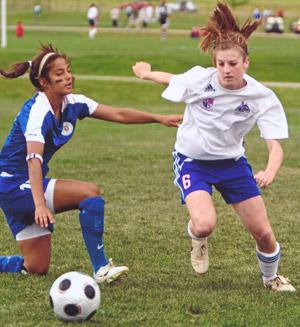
(217, 119)
(92, 12)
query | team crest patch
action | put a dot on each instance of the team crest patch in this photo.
(67, 129)
(207, 103)
(242, 109)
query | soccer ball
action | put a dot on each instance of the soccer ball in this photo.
(74, 296)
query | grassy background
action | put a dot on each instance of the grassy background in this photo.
(114, 54)
(145, 223)
(73, 12)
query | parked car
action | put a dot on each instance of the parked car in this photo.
(295, 27)
(274, 24)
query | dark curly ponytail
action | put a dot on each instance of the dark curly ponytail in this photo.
(38, 67)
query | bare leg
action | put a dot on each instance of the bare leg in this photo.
(202, 222)
(254, 216)
(202, 213)
(37, 254)
(69, 193)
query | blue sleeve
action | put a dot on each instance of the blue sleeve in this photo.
(83, 105)
(83, 111)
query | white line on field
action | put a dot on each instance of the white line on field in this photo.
(184, 32)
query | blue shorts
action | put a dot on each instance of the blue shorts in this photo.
(232, 178)
(16, 201)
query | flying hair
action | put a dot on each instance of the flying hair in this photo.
(223, 31)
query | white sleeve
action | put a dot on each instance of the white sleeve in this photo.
(36, 124)
(92, 105)
(34, 135)
(273, 123)
(79, 98)
(177, 89)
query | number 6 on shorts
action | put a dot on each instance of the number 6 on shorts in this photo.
(186, 181)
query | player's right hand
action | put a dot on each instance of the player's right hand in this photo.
(43, 216)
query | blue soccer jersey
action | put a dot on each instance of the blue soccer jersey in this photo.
(37, 122)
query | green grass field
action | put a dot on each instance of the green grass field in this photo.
(145, 223)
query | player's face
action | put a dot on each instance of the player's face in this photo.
(231, 67)
(60, 76)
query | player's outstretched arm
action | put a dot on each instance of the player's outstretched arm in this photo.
(143, 71)
(133, 116)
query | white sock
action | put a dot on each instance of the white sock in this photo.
(192, 236)
(268, 263)
(92, 32)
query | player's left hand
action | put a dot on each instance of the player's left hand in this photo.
(263, 179)
(43, 216)
(170, 120)
(141, 68)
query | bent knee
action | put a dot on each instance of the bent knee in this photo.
(91, 190)
(37, 269)
(202, 229)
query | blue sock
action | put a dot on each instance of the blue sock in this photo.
(92, 225)
(12, 264)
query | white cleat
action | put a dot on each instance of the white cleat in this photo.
(199, 256)
(109, 273)
(279, 284)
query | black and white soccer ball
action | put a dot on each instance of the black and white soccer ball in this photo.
(74, 296)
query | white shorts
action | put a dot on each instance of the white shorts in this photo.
(36, 230)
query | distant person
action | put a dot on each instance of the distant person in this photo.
(115, 16)
(93, 18)
(37, 9)
(142, 17)
(20, 30)
(145, 16)
(133, 19)
(182, 5)
(149, 14)
(266, 13)
(256, 14)
(197, 32)
(28, 198)
(128, 12)
(162, 13)
(280, 13)
(190, 7)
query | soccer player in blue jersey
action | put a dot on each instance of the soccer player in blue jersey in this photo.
(27, 197)
(223, 103)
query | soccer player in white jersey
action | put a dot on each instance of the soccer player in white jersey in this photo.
(27, 197)
(93, 18)
(223, 103)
